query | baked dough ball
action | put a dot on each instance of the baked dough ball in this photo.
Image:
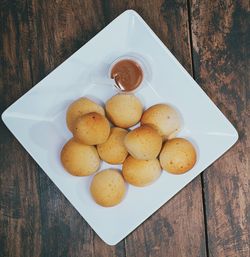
(178, 156)
(91, 129)
(124, 110)
(141, 172)
(163, 118)
(113, 150)
(108, 187)
(79, 159)
(80, 107)
(143, 143)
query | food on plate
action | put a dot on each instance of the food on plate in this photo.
(124, 110)
(91, 129)
(137, 150)
(178, 155)
(80, 107)
(141, 172)
(108, 187)
(164, 118)
(143, 143)
(79, 159)
(127, 74)
(113, 151)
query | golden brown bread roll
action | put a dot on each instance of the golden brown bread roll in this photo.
(164, 118)
(108, 188)
(113, 150)
(178, 156)
(79, 159)
(91, 129)
(143, 143)
(141, 172)
(124, 110)
(80, 107)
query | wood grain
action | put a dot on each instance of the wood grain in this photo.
(19, 193)
(221, 40)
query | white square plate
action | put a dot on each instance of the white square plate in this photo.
(37, 120)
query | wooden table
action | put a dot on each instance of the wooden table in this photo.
(210, 216)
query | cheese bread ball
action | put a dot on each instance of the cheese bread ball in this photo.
(80, 107)
(124, 110)
(141, 172)
(178, 156)
(164, 118)
(108, 187)
(143, 143)
(91, 129)
(113, 151)
(79, 159)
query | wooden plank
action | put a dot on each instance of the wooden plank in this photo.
(19, 192)
(221, 40)
(177, 229)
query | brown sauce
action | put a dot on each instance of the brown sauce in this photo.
(127, 74)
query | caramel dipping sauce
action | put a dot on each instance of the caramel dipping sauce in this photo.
(127, 74)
